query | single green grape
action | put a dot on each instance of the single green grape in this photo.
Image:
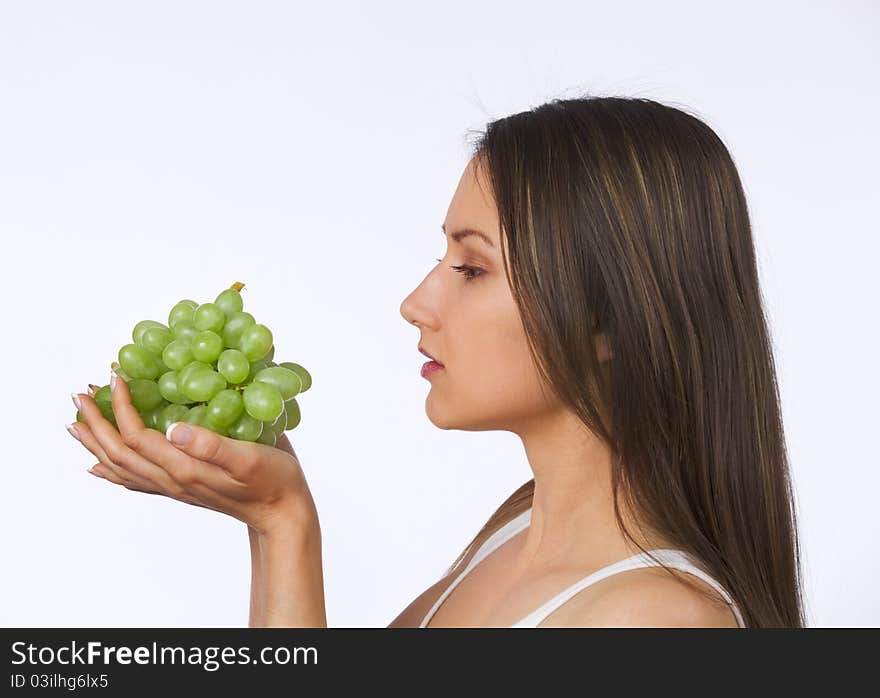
(190, 367)
(291, 409)
(182, 311)
(152, 418)
(233, 366)
(246, 428)
(235, 325)
(138, 362)
(201, 385)
(263, 401)
(141, 327)
(102, 395)
(170, 414)
(102, 400)
(225, 407)
(177, 354)
(155, 339)
(161, 366)
(301, 372)
(255, 342)
(277, 427)
(145, 395)
(184, 330)
(168, 388)
(196, 415)
(213, 426)
(209, 316)
(267, 437)
(229, 301)
(256, 367)
(270, 354)
(206, 346)
(287, 381)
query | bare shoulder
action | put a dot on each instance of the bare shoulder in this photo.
(412, 615)
(644, 598)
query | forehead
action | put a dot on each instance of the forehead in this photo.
(472, 205)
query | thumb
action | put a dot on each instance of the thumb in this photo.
(204, 444)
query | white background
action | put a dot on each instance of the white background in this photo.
(156, 151)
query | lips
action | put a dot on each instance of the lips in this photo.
(429, 356)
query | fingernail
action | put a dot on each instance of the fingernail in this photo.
(112, 381)
(75, 398)
(179, 437)
(90, 470)
(73, 432)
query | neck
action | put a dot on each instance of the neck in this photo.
(572, 517)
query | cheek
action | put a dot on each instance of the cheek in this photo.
(507, 376)
(500, 374)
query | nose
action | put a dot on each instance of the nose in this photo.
(413, 309)
(420, 307)
(406, 310)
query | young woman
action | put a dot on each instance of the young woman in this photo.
(600, 299)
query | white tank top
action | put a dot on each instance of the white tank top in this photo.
(676, 559)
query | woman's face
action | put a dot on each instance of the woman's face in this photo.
(472, 326)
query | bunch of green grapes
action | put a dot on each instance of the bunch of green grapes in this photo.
(211, 365)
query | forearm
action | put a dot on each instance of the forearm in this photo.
(255, 619)
(290, 581)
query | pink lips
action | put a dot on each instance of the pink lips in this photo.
(430, 367)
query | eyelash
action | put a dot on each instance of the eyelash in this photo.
(470, 273)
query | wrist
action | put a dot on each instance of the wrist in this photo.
(292, 575)
(286, 524)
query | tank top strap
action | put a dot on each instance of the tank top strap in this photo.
(502, 535)
(677, 559)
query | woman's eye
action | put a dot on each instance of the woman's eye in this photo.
(469, 272)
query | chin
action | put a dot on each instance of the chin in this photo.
(446, 419)
(436, 416)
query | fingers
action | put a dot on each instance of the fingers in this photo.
(101, 471)
(237, 458)
(119, 456)
(84, 435)
(131, 427)
(87, 439)
(153, 449)
(172, 473)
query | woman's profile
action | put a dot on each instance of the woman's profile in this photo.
(599, 298)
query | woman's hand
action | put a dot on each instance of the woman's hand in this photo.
(263, 486)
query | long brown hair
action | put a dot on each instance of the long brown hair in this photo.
(627, 217)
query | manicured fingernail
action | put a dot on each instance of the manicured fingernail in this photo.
(73, 431)
(75, 398)
(112, 381)
(179, 437)
(92, 471)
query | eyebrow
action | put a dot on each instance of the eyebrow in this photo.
(464, 232)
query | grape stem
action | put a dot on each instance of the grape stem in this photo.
(237, 286)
